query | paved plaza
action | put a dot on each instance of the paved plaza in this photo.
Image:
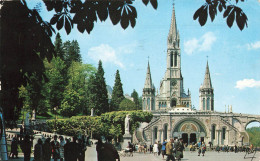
(91, 155)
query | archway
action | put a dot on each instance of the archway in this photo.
(253, 131)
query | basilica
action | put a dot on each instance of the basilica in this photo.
(173, 114)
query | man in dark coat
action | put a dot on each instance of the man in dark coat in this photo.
(71, 150)
(179, 149)
(26, 147)
(106, 151)
(46, 148)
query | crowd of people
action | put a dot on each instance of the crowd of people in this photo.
(57, 148)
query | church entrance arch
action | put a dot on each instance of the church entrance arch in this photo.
(190, 129)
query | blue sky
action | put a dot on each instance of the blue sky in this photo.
(233, 55)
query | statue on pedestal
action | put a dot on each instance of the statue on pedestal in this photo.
(127, 124)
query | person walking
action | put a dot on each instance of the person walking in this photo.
(14, 148)
(159, 147)
(46, 149)
(26, 148)
(82, 150)
(55, 148)
(106, 151)
(199, 148)
(72, 150)
(163, 148)
(170, 150)
(203, 148)
(38, 153)
(66, 149)
(179, 149)
(62, 144)
(155, 149)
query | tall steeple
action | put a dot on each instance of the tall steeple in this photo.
(206, 93)
(148, 80)
(148, 92)
(207, 80)
(173, 36)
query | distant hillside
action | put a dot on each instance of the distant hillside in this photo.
(254, 135)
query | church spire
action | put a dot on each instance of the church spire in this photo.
(173, 35)
(207, 79)
(148, 80)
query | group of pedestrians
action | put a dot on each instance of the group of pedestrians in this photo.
(45, 149)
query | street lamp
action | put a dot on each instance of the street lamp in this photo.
(55, 109)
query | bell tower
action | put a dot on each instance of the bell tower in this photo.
(206, 93)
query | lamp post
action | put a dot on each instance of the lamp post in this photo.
(55, 109)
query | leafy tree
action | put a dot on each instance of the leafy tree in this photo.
(71, 103)
(33, 96)
(29, 34)
(57, 83)
(254, 135)
(117, 93)
(136, 99)
(79, 75)
(231, 12)
(97, 92)
(127, 105)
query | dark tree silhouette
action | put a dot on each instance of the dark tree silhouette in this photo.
(231, 12)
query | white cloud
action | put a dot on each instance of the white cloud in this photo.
(105, 53)
(204, 43)
(247, 83)
(252, 46)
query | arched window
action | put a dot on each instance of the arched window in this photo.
(155, 133)
(223, 133)
(171, 59)
(203, 103)
(165, 130)
(148, 103)
(213, 130)
(208, 103)
(175, 59)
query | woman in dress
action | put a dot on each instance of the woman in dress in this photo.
(155, 149)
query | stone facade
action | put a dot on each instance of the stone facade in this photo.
(173, 114)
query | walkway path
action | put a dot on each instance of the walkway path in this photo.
(91, 155)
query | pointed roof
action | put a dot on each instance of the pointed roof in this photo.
(173, 33)
(148, 80)
(207, 79)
